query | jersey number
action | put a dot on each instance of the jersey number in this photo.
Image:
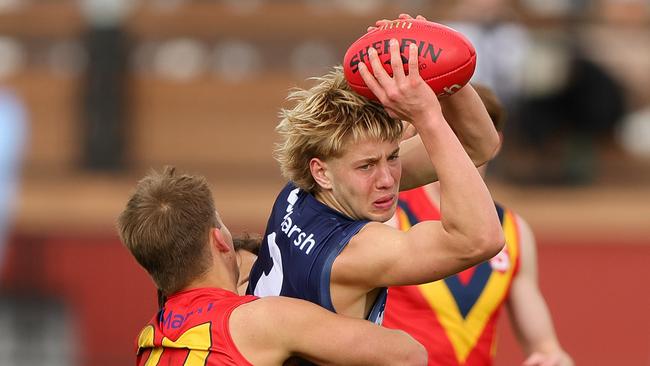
(271, 284)
(197, 340)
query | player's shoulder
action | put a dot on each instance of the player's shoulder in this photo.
(289, 189)
(259, 312)
(273, 311)
(371, 232)
(282, 304)
(368, 239)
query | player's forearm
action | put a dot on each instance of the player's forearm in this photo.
(467, 209)
(359, 342)
(417, 169)
(546, 344)
(392, 347)
(529, 313)
(469, 119)
(557, 357)
(404, 350)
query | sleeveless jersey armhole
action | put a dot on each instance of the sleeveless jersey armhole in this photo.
(325, 293)
(225, 328)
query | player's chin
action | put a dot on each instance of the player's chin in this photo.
(382, 215)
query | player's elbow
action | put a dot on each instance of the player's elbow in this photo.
(487, 244)
(404, 350)
(414, 355)
(486, 150)
(493, 242)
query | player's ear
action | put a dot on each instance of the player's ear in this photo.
(219, 241)
(319, 171)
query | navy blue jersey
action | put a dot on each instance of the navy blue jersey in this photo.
(303, 238)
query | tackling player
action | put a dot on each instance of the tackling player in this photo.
(171, 227)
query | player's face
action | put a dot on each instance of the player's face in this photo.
(365, 180)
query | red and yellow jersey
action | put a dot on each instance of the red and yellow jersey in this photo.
(192, 330)
(454, 318)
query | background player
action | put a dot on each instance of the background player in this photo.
(171, 227)
(456, 318)
(325, 241)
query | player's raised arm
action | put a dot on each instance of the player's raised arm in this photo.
(469, 231)
(467, 116)
(301, 329)
(469, 120)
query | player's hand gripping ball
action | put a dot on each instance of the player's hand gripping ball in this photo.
(446, 58)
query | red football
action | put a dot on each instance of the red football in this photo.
(446, 58)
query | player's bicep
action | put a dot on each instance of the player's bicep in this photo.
(431, 253)
(383, 256)
(368, 256)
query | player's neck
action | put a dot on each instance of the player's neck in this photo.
(223, 286)
(215, 277)
(327, 198)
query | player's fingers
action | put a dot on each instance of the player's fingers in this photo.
(407, 16)
(396, 60)
(377, 68)
(378, 24)
(531, 363)
(413, 60)
(370, 81)
(391, 113)
(551, 360)
(533, 360)
(382, 22)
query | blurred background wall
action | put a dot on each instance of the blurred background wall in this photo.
(95, 93)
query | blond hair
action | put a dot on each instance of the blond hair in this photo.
(324, 119)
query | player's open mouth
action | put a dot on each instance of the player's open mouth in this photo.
(384, 203)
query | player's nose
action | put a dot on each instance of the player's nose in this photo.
(385, 178)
